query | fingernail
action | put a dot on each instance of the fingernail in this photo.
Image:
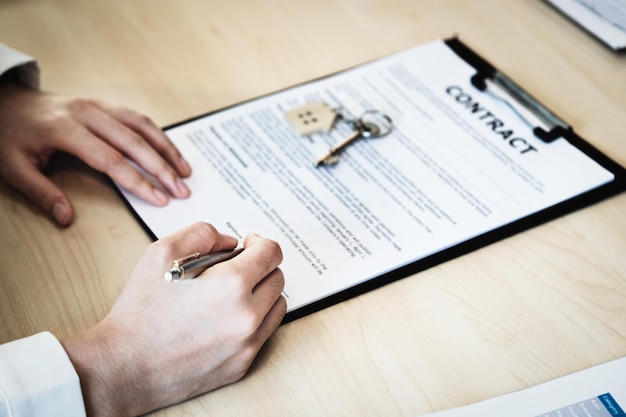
(186, 168)
(60, 212)
(182, 188)
(160, 196)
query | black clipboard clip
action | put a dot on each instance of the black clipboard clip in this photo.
(546, 125)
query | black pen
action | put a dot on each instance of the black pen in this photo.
(193, 265)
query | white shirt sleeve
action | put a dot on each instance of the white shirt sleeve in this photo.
(38, 379)
(27, 70)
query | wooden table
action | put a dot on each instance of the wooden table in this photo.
(536, 306)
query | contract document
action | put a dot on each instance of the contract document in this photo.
(599, 391)
(460, 163)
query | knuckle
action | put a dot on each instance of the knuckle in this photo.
(113, 160)
(279, 279)
(237, 374)
(242, 362)
(161, 249)
(282, 305)
(273, 254)
(138, 119)
(133, 139)
(59, 124)
(249, 321)
(238, 286)
(206, 230)
(80, 104)
(274, 249)
(248, 353)
(143, 120)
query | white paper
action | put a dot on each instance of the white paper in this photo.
(599, 391)
(606, 19)
(447, 172)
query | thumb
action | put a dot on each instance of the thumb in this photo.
(43, 192)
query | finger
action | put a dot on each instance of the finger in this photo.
(25, 177)
(130, 144)
(260, 257)
(272, 320)
(199, 237)
(102, 157)
(268, 290)
(148, 130)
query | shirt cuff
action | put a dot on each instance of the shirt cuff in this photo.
(37, 378)
(24, 67)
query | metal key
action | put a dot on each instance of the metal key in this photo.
(372, 124)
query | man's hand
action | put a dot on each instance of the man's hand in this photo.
(34, 125)
(165, 342)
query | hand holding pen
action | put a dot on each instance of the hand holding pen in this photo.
(162, 343)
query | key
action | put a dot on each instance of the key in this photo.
(372, 124)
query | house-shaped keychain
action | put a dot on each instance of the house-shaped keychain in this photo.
(312, 118)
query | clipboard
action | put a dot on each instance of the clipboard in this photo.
(211, 130)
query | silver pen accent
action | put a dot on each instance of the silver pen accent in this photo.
(193, 265)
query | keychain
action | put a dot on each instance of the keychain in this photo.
(312, 118)
(318, 117)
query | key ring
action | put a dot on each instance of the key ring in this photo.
(371, 124)
(374, 124)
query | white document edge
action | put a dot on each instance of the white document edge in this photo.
(598, 391)
(604, 30)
